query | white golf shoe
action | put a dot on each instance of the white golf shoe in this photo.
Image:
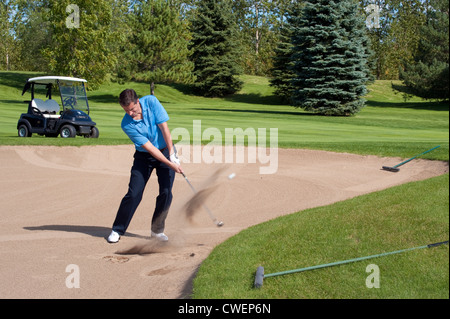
(113, 237)
(160, 236)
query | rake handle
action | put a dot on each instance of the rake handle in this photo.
(409, 160)
(354, 260)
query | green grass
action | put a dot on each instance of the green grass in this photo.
(402, 217)
(385, 221)
(386, 127)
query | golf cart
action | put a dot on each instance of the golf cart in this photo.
(47, 118)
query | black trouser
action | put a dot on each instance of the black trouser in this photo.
(142, 168)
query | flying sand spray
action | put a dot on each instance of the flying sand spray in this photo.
(191, 207)
(199, 195)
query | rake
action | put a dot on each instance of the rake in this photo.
(260, 271)
(396, 168)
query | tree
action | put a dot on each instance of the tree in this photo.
(8, 45)
(215, 49)
(120, 33)
(33, 33)
(395, 34)
(428, 75)
(330, 58)
(79, 37)
(282, 73)
(258, 32)
(157, 50)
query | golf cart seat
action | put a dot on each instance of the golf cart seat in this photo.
(49, 108)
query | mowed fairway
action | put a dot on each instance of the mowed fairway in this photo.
(402, 217)
(388, 126)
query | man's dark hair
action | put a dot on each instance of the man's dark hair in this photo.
(128, 96)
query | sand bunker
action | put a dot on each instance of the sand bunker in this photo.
(58, 205)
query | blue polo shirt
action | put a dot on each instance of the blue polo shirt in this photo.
(145, 130)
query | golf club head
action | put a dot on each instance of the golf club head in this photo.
(391, 169)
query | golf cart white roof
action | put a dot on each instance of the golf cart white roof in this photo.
(53, 79)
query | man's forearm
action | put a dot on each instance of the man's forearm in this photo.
(156, 153)
(164, 127)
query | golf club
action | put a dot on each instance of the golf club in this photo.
(396, 168)
(214, 219)
(260, 271)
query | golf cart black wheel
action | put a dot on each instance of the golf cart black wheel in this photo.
(94, 133)
(68, 131)
(23, 131)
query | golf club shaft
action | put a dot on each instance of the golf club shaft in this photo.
(204, 206)
(189, 183)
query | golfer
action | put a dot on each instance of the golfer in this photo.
(145, 123)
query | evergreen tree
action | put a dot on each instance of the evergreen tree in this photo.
(215, 49)
(281, 73)
(330, 58)
(157, 50)
(428, 77)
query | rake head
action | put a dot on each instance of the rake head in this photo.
(391, 169)
(259, 277)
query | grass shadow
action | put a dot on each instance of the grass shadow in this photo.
(248, 98)
(271, 112)
(431, 106)
(16, 79)
(255, 98)
(104, 98)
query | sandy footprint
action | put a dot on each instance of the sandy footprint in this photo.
(161, 271)
(116, 259)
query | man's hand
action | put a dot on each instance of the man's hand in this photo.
(174, 158)
(177, 168)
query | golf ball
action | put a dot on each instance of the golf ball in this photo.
(231, 176)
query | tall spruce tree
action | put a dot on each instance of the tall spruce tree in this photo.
(428, 76)
(157, 50)
(331, 51)
(215, 49)
(282, 73)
